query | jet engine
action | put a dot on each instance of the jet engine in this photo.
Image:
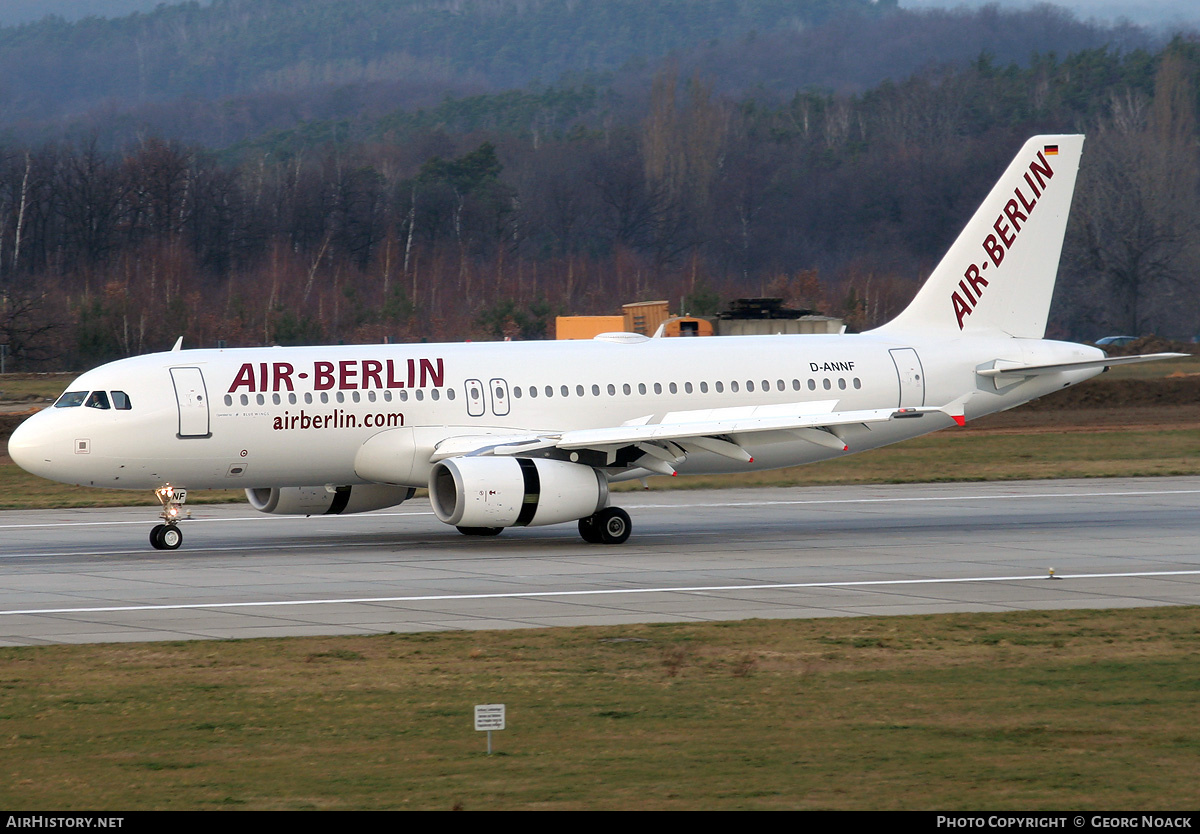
(323, 500)
(493, 492)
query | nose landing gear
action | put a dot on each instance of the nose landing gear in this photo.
(168, 536)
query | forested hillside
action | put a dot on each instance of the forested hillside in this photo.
(225, 72)
(482, 215)
(272, 52)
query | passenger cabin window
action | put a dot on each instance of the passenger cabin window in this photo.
(71, 399)
(97, 399)
(120, 401)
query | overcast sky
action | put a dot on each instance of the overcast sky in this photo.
(1171, 13)
(1154, 13)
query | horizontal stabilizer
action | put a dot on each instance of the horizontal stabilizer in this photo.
(1083, 364)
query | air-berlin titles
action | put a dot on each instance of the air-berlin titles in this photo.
(1007, 226)
(344, 375)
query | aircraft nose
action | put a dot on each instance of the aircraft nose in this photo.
(31, 445)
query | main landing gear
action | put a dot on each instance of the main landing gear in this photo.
(609, 526)
(168, 536)
(480, 531)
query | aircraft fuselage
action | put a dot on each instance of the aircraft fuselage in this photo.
(245, 418)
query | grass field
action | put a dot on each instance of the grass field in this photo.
(1047, 710)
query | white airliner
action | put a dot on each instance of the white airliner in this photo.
(515, 434)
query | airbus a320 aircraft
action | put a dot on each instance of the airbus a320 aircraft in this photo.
(524, 434)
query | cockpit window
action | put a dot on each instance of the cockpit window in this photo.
(97, 399)
(71, 399)
(120, 401)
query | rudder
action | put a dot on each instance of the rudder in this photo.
(999, 274)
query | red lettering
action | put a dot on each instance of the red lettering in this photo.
(1014, 214)
(283, 376)
(975, 279)
(349, 369)
(1025, 204)
(370, 372)
(245, 377)
(961, 309)
(392, 381)
(966, 291)
(430, 375)
(323, 376)
(412, 374)
(1038, 170)
(262, 375)
(1006, 238)
(1029, 182)
(994, 249)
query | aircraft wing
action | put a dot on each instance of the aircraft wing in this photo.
(668, 438)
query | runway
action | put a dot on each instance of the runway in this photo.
(82, 576)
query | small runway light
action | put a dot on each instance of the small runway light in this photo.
(1052, 576)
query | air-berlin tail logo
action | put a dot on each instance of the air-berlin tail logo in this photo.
(1007, 227)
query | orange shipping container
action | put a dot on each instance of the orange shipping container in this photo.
(586, 327)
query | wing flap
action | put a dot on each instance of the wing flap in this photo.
(713, 430)
(683, 431)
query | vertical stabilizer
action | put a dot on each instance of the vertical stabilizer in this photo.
(999, 274)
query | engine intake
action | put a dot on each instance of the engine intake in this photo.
(514, 492)
(321, 500)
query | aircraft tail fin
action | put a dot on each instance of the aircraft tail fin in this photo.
(999, 274)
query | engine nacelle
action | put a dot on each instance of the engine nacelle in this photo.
(514, 492)
(320, 500)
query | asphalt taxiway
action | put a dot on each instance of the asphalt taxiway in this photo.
(75, 576)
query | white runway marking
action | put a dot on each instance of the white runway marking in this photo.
(610, 592)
